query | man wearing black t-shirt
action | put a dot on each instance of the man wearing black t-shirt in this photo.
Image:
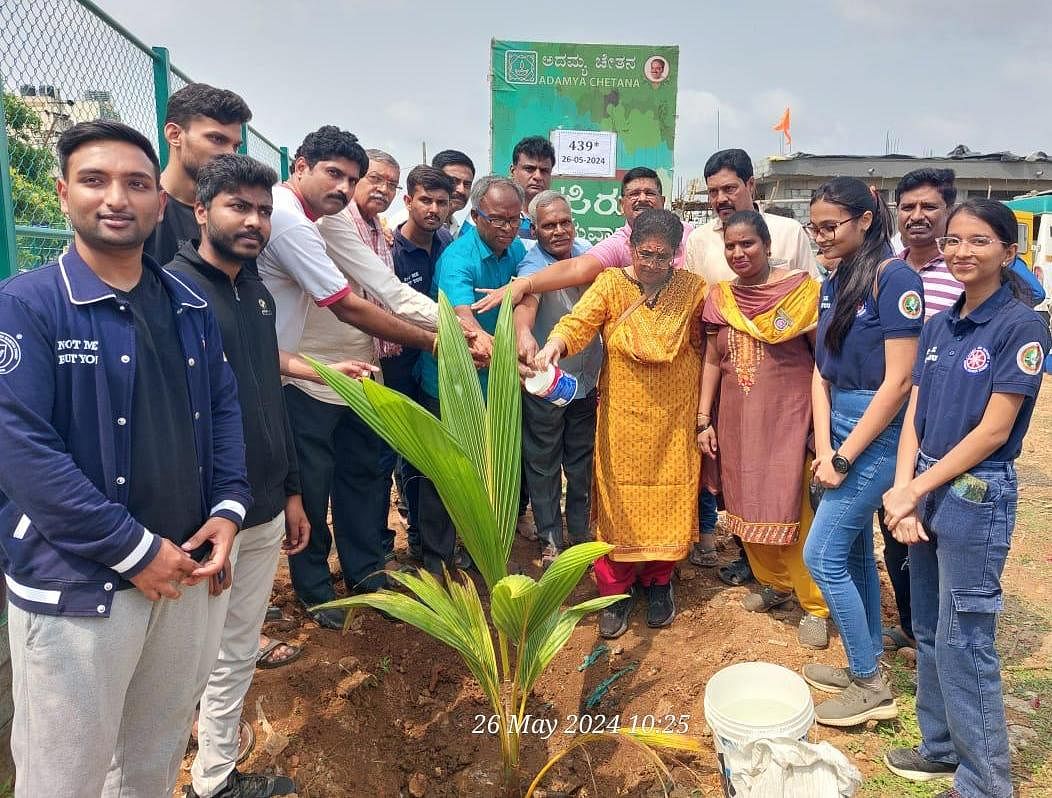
(201, 122)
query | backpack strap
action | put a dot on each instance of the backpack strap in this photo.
(876, 277)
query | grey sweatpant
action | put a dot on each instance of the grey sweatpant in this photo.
(229, 676)
(103, 706)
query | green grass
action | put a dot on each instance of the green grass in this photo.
(903, 732)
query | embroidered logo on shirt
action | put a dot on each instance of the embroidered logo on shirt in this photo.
(264, 309)
(977, 360)
(1029, 358)
(10, 353)
(860, 311)
(910, 305)
(931, 355)
(782, 320)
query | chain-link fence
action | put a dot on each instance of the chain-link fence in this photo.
(63, 62)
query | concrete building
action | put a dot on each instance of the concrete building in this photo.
(58, 114)
(789, 180)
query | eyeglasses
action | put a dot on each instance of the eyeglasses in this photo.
(380, 181)
(948, 244)
(826, 229)
(655, 258)
(496, 221)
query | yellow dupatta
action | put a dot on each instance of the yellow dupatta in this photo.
(795, 314)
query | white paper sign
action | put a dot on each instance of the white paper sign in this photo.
(585, 153)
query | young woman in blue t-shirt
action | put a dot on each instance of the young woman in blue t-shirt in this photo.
(870, 316)
(976, 379)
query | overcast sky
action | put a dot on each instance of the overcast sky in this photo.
(928, 74)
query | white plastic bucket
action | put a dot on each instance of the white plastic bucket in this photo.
(754, 701)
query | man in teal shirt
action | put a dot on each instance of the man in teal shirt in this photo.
(486, 255)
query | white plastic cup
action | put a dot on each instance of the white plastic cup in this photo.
(554, 385)
(753, 701)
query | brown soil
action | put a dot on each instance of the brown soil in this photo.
(384, 711)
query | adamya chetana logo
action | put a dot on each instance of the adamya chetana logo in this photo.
(520, 66)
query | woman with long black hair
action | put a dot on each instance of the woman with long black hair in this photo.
(870, 316)
(975, 382)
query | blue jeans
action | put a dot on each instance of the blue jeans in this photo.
(839, 547)
(956, 597)
(708, 513)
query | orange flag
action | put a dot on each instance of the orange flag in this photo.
(783, 126)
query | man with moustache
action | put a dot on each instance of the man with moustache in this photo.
(732, 188)
(200, 122)
(556, 441)
(532, 162)
(640, 189)
(234, 205)
(361, 473)
(418, 244)
(122, 483)
(485, 255)
(300, 274)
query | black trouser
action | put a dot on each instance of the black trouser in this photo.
(556, 441)
(896, 559)
(339, 457)
(438, 536)
(398, 375)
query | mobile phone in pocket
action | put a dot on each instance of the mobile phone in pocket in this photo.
(970, 487)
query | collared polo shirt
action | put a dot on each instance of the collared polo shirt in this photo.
(998, 348)
(585, 365)
(707, 258)
(414, 265)
(897, 312)
(615, 252)
(296, 268)
(467, 264)
(941, 289)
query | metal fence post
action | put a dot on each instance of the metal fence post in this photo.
(243, 149)
(284, 153)
(8, 242)
(162, 73)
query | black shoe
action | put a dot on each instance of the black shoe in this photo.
(613, 620)
(661, 608)
(328, 619)
(908, 763)
(250, 785)
(462, 560)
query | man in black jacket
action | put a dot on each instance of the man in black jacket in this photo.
(233, 210)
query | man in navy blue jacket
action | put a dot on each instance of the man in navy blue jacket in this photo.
(122, 471)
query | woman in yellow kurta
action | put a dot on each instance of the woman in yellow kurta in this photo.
(646, 461)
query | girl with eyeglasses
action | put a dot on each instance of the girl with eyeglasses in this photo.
(975, 382)
(870, 315)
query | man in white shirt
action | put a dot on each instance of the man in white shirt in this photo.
(731, 187)
(361, 466)
(299, 271)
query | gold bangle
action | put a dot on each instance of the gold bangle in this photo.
(434, 347)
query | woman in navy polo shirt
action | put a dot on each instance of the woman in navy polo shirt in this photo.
(976, 379)
(870, 316)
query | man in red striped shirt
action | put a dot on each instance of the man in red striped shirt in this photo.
(924, 198)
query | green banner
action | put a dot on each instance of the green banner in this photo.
(606, 107)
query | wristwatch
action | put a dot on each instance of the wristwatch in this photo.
(840, 463)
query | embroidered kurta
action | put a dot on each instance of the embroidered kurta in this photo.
(764, 417)
(647, 464)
